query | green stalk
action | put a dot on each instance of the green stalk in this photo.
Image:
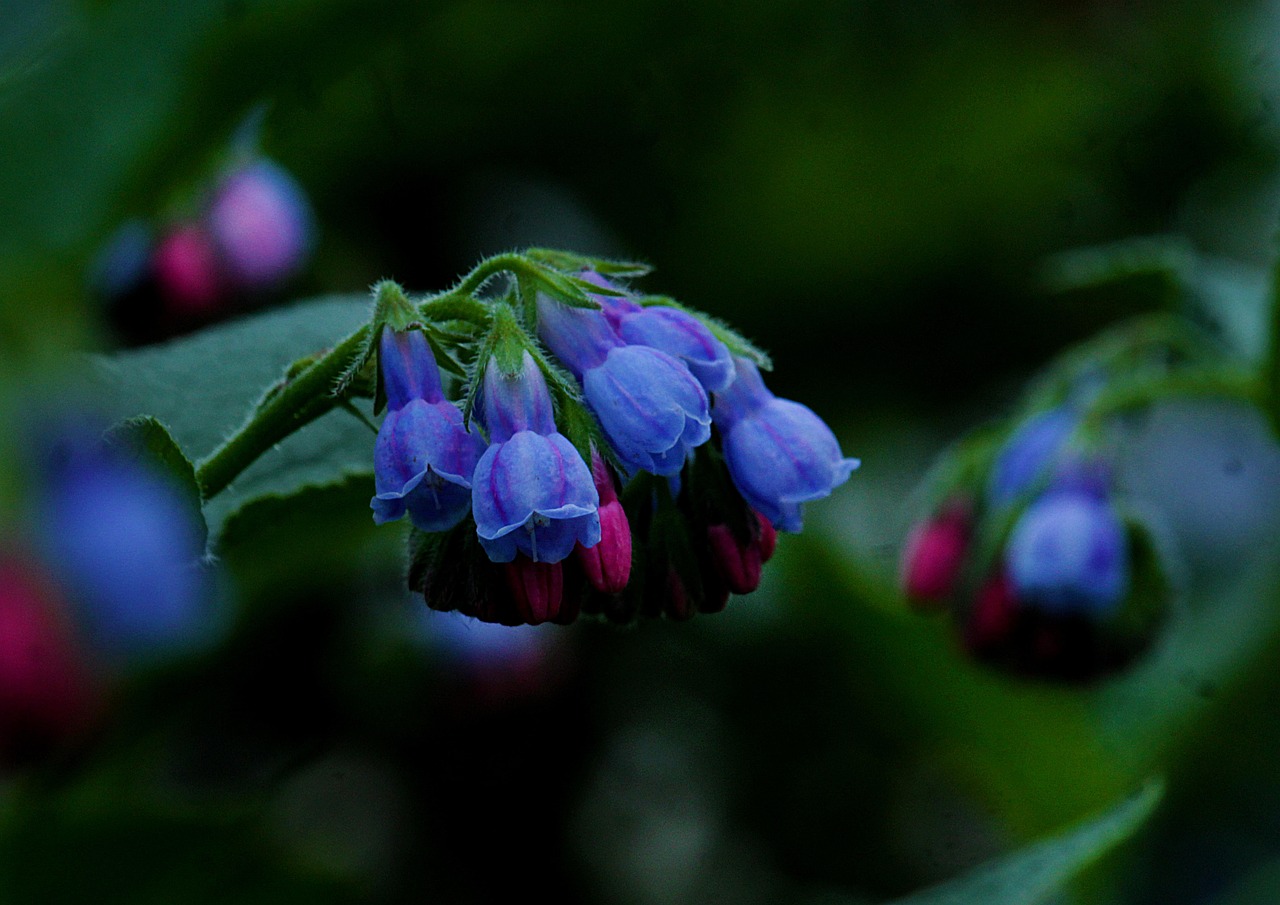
(303, 400)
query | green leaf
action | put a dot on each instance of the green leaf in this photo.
(1166, 260)
(202, 387)
(148, 439)
(568, 261)
(1030, 875)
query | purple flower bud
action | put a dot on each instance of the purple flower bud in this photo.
(531, 493)
(537, 587)
(261, 224)
(607, 565)
(779, 453)
(424, 457)
(1029, 454)
(186, 270)
(1068, 553)
(650, 407)
(128, 549)
(685, 337)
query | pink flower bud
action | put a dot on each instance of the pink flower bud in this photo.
(538, 588)
(934, 557)
(737, 562)
(607, 564)
(186, 269)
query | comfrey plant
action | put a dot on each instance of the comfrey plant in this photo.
(1030, 542)
(562, 444)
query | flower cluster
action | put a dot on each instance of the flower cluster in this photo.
(632, 463)
(245, 234)
(1038, 561)
(109, 576)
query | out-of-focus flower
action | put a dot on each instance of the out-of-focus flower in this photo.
(47, 690)
(261, 225)
(186, 269)
(1029, 455)
(424, 456)
(934, 555)
(651, 408)
(1069, 553)
(127, 548)
(780, 454)
(531, 493)
(123, 264)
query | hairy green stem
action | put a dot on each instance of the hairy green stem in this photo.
(317, 389)
(301, 401)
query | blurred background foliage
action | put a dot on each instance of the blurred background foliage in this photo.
(869, 189)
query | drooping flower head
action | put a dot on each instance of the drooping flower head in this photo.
(424, 456)
(779, 453)
(532, 492)
(651, 408)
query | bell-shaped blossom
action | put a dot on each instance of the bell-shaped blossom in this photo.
(128, 549)
(1029, 455)
(670, 330)
(531, 493)
(651, 408)
(1068, 553)
(779, 453)
(262, 225)
(424, 456)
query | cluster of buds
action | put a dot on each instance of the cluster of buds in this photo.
(246, 235)
(1033, 553)
(621, 460)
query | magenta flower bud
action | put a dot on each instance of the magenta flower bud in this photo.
(607, 564)
(736, 562)
(261, 224)
(46, 690)
(186, 269)
(934, 555)
(537, 587)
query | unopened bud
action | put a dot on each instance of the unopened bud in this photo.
(538, 588)
(607, 564)
(933, 557)
(737, 562)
